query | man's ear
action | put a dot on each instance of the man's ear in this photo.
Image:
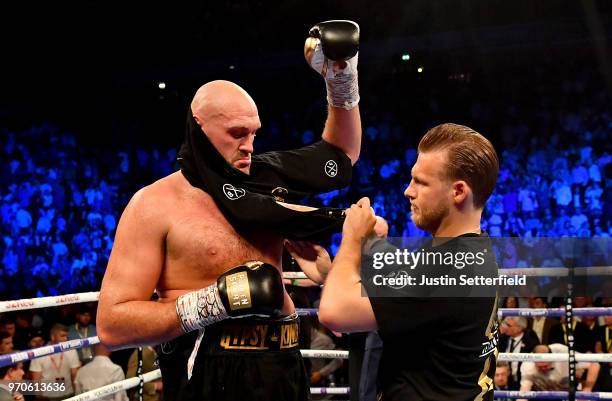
(461, 191)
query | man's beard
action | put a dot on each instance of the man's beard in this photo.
(429, 219)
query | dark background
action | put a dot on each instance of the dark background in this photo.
(97, 64)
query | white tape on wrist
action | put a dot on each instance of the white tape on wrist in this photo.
(201, 308)
(342, 83)
(343, 88)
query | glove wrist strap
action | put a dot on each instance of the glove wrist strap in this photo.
(201, 308)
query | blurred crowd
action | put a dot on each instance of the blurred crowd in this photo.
(550, 335)
(60, 200)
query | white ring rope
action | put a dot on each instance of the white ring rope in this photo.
(36, 303)
(550, 357)
(21, 356)
(329, 390)
(558, 271)
(554, 312)
(156, 374)
(45, 302)
(316, 353)
(113, 388)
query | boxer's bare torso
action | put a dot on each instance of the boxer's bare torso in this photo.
(200, 244)
(172, 238)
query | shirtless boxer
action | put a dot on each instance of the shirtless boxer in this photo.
(174, 238)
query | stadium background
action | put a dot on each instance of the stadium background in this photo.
(84, 121)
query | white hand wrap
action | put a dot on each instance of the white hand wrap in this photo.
(342, 83)
(200, 308)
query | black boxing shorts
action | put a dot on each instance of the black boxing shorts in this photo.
(252, 359)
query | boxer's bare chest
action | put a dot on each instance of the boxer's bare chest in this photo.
(201, 244)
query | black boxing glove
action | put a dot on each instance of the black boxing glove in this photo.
(255, 288)
(339, 39)
(333, 50)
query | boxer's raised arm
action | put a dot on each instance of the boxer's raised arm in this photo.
(126, 315)
(343, 130)
(332, 50)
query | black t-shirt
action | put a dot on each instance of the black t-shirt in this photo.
(584, 340)
(603, 334)
(437, 349)
(249, 201)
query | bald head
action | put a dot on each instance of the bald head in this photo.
(220, 98)
(541, 349)
(228, 116)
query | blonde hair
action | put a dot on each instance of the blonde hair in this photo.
(471, 157)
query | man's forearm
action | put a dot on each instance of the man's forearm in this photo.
(342, 285)
(345, 271)
(525, 387)
(135, 323)
(591, 378)
(343, 130)
(331, 367)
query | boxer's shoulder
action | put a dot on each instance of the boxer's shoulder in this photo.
(171, 194)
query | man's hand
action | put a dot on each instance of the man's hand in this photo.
(254, 288)
(359, 222)
(313, 259)
(315, 377)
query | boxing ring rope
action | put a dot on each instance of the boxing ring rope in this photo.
(113, 388)
(552, 357)
(557, 271)
(552, 312)
(154, 375)
(324, 353)
(533, 395)
(551, 395)
(20, 356)
(330, 390)
(45, 302)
